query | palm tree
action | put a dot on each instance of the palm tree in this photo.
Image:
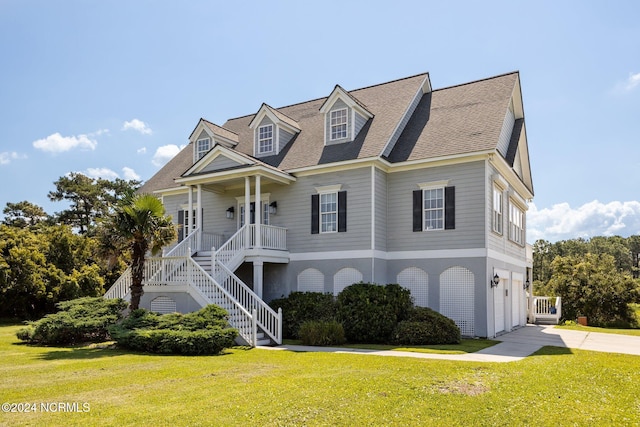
(140, 223)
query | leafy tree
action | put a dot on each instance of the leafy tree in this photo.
(90, 198)
(592, 286)
(23, 214)
(140, 224)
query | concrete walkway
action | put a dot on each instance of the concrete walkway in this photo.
(514, 345)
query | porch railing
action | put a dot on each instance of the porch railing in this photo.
(271, 237)
(267, 319)
(545, 308)
(211, 240)
(192, 241)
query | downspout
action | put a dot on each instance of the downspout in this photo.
(373, 224)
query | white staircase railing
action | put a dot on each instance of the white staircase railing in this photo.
(267, 319)
(231, 253)
(192, 241)
(121, 286)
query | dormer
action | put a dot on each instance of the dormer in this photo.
(272, 131)
(344, 116)
(206, 135)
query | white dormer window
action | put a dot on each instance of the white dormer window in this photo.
(202, 146)
(265, 139)
(339, 124)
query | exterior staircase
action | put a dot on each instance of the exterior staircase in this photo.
(209, 279)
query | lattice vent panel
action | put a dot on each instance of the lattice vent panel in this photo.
(457, 298)
(417, 281)
(311, 280)
(345, 277)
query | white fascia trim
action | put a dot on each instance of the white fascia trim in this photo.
(198, 130)
(440, 161)
(399, 255)
(213, 154)
(172, 191)
(344, 165)
(281, 177)
(500, 181)
(510, 175)
(339, 93)
(264, 111)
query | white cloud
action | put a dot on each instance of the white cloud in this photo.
(129, 174)
(562, 222)
(104, 173)
(137, 125)
(57, 143)
(142, 150)
(165, 153)
(7, 156)
(633, 81)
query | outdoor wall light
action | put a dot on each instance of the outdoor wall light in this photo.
(230, 212)
(495, 281)
(526, 285)
(273, 208)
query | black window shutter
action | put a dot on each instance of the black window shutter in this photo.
(180, 225)
(417, 210)
(315, 213)
(449, 208)
(342, 211)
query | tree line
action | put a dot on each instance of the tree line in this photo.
(48, 258)
(597, 277)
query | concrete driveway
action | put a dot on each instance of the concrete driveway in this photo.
(514, 345)
(543, 335)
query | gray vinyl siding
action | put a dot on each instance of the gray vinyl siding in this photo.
(470, 209)
(381, 208)
(402, 124)
(283, 139)
(265, 121)
(220, 163)
(294, 212)
(338, 105)
(360, 122)
(505, 134)
(172, 204)
(500, 242)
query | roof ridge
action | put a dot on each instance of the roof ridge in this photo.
(348, 91)
(477, 81)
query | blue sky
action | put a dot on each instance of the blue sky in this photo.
(114, 88)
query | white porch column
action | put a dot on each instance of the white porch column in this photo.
(247, 208)
(258, 272)
(190, 215)
(199, 215)
(258, 214)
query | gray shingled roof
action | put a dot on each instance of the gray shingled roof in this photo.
(220, 131)
(456, 120)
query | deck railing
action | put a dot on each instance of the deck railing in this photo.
(121, 286)
(271, 237)
(545, 308)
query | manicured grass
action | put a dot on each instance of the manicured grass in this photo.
(635, 332)
(465, 346)
(555, 386)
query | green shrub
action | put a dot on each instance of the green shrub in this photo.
(79, 320)
(205, 331)
(299, 307)
(426, 326)
(321, 333)
(369, 312)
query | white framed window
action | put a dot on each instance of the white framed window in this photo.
(265, 139)
(202, 146)
(329, 212)
(433, 208)
(497, 210)
(516, 223)
(338, 124)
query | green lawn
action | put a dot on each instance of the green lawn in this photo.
(635, 332)
(263, 387)
(465, 346)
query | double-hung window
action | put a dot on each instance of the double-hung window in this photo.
(202, 146)
(329, 211)
(433, 205)
(497, 210)
(339, 124)
(516, 224)
(265, 139)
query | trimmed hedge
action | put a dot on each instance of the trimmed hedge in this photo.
(205, 331)
(78, 321)
(322, 333)
(426, 326)
(300, 307)
(369, 313)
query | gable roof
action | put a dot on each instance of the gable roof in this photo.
(452, 121)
